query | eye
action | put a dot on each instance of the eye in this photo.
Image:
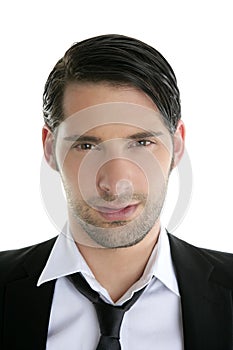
(85, 146)
(142, 143)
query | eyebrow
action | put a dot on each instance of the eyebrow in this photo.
(144, 135)
(94, 139)
(82, 138)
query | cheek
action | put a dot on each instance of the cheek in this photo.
(164, 159)
(165, 167)
(69, 172)
(158, 172)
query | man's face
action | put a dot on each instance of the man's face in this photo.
(114, 155)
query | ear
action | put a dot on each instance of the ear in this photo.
(48, 145)
(178, 143)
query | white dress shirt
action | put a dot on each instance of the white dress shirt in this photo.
(153, 322)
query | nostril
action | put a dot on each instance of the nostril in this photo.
(105, 187)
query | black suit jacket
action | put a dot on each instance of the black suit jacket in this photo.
(205, 280)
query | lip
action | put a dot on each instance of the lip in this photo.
(117, 214)
(111, 208)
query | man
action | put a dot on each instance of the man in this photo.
(113, 133)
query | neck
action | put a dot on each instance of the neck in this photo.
(118, 269)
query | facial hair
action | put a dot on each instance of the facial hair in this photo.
(117, 234)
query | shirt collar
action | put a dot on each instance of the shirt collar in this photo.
(66, 259)
(162, 266)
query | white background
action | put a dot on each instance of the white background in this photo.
(194, 36)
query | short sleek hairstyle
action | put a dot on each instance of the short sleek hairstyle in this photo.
(117, 60)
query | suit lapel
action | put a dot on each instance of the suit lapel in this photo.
(27, 307)
(206, 305)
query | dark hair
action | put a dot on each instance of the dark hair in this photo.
(115, 59)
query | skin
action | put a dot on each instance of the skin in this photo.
(116, 268)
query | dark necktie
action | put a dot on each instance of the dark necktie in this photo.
(110, 317)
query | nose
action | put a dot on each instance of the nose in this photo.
(115, 177)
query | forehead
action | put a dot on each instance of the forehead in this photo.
(112, 120)
(79, 96)
(103, 108)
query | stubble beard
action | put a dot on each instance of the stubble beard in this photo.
(117, 234)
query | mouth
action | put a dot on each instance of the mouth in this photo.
(117, 214)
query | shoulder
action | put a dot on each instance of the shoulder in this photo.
(215, 256)
(221, 262)
(11, 260)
